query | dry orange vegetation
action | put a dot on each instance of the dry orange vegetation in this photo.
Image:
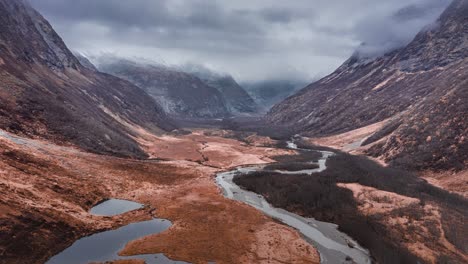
(47, 191)
(213, 151)
(421, 230)
(430, 226)
(349, 141)
(453, 181)
(456, 182)
(398, 216)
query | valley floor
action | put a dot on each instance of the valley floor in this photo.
(47, 191)
(426, 215)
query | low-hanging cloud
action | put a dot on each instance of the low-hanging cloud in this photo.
(395, 29)
(251, 39)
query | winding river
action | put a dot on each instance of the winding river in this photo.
(332, 244)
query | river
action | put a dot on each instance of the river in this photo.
(332, 244)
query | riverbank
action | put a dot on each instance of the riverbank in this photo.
(333, 245)
(395, 214)
(47, 191)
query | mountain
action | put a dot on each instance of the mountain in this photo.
(270, 92)
(85, 62)
(420, 88)
(237, 99)
(180, 94)
(45, 92)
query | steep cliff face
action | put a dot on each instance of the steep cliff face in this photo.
(179, 93)
(46, 92)
(421, 87)
(237, 99)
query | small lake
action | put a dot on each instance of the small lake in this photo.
(105, 246)
(114, 207)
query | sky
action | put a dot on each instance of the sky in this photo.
(250, 39)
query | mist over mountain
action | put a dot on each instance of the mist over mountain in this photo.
(420, 88)
(85, 62)
(180, 94)
(238, 101)
(383, 32)
(270, 92)
(251, 40)
(200, 131)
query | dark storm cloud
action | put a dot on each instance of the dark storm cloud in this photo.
(252, 39)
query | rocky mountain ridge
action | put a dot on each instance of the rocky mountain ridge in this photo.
(181, 95)
(170, 85)
(238, 100)
(420, 87)
(45, 91)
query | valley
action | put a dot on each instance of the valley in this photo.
(126, 160)
(399, 217)
(68, 182)
(181, 182)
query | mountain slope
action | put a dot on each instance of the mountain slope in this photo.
(45, 91)
(180, 94)
(85, 62)
(237, 99)
(422, 87)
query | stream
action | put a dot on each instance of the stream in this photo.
(332, 244)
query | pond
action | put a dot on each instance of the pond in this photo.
(105, 246)
(113, 207)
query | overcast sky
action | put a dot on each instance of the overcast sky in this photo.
(250, 39)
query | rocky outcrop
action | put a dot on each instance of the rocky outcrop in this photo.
(46, 92)
(421, 87)
(181, 94)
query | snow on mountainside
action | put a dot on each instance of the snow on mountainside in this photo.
(236, 97)
(181, 94)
